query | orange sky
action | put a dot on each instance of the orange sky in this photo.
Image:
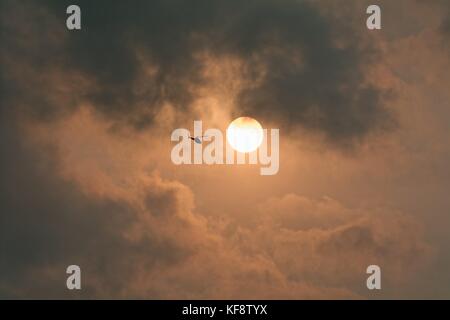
(88, 175)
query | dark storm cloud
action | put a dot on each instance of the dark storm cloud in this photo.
(308, 81)
(324, 90)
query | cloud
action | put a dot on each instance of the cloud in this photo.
(48, 224)
(138, 235)
(336, 245)
(128, 61)
(81, 185)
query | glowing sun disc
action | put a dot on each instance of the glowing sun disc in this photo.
(245, 134)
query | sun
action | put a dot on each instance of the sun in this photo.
(245, 134)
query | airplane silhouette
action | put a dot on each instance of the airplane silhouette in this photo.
(197, 139)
